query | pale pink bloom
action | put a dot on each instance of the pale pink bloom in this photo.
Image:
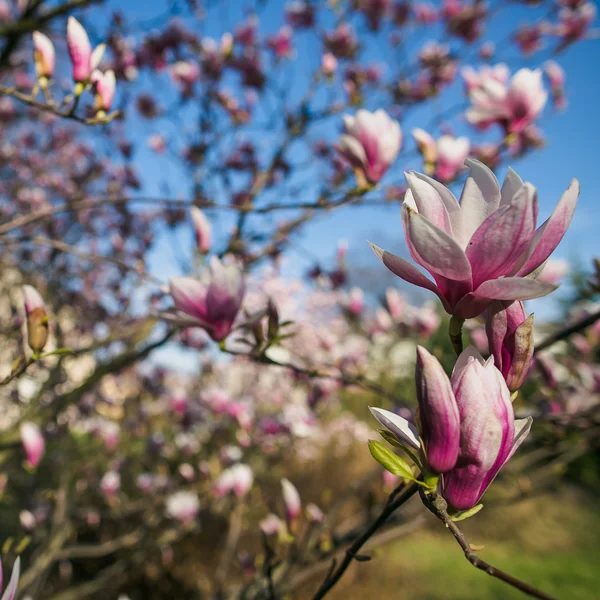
(157, 143)
(32, 299)
(487, 50)
(478, 79)
(80, 50)
(110, 432)
(271, 525)
(237, 479)
(554, 271)
(556, 76)
(179, 404)
(513, 106)
(314, 513)
(110, 484)
(185, 73)
(451, 155)
(44, 55)
(485, 248)
(426, 144)
(395, 303)
(329, 64)
(202, 229)
(574, 23)
(183, 506)
(291, 499)
(281, 42)
(353, 302)
(33, 443)
(27, 521)
(371, 143)
(425, 13)
(11, 589)
(105, 87)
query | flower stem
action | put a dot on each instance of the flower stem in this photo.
(455, 333)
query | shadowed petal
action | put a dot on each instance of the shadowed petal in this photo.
(511, 185)
(403, 430)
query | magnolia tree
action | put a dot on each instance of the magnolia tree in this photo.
(122, 476)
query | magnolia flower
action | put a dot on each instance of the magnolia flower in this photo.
(214, 300)
(329, 64)
(444, 158)
(467, 424)
(371, 143)
(574, 23)
(202, 229)
(477, 80)
(33, 443)
(271, 525)
(291, 499)
(44, 55)
(80, 50)
(105, 86)
(513, 106)
(11, 589)
(183, 506)
(314, 513)
(485, 248)
(556, 76)
(110, 484)
(237, 479)
(353, 302)
(37, 318)
(510, 339)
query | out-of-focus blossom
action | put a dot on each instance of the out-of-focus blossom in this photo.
(281, 42)
(183, 506)
(443, 158)
(80, 50)
(487, 50)
(271, 525)
(314, 513)
(575, 23)
(214, 300)
(342, 42)
(514, 106)
(485, 248)
(202, 229)
(371, 143)
(556, 76)
(375, 11)
(10, 592)
(486, 76)
(33, 443)
(44, 56)
(529, 39)
(300, 14)
(425, 13)
(329, 64)
(37, 318)
(554, 270)
(237, 479)
(510, 338)
(464, 20)
(110, 484)
(105, 86)
(291, 499)
(353, 302)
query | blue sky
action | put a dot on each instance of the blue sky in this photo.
(571, 149)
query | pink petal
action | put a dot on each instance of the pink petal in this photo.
(428, 202)
(548, 236)
(513, 288)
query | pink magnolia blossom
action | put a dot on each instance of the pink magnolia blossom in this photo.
(10, 592)
(80, 50)
(314, 513)
(291, 499)
(354, 301)
(33, 443)
(529, 39)
(485, 248)
(281, 42)
(214, 300)
(510, 339)
(202, 229)
(575, 23)
(554, 270)
(105, 87)
(445, 158)
(371, 143)
(183, 506)
(556, 76)
(110, 484)
(44, 55)
(514, 106)
(271, 525)
(477, 80)
(329, 64)
(237, 479)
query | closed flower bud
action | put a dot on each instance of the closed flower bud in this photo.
(44, 55)
(438, 413)
(510, 338)
(80, 50)
(105, 87)
(33, 443)
(183, 506)
(37, 319)
(291, 498)
(202, 230)
(489, 434)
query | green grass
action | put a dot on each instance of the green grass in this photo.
(550, 542)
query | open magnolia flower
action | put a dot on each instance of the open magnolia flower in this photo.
(467, 427)
(486, 248)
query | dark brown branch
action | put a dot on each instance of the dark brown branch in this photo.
(437, 505)
(394, 502)
(565, 332)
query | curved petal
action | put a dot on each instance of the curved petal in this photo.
(503, 237)
(428, 202)
(511, 185)
(513, 288)
(403, 430)
(548, 236)
(403, 269)
(522, 429)
(480, 197)
(433, 248)
(11, 588)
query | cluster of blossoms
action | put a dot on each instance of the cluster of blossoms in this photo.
(484, 254)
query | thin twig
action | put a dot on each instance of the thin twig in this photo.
(565, 332)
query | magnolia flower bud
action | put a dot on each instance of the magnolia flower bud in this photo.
(105, 87)
(510, 338)
(438, 413)
(110, 484)
(37, 319)
(44, 55)
(80, 50)
(291, 498)
(371, 143)
(489, 434)
(202, 229)
(33, 443)
(271, 525)
(183, 506)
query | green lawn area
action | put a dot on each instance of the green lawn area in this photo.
(550, 542)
